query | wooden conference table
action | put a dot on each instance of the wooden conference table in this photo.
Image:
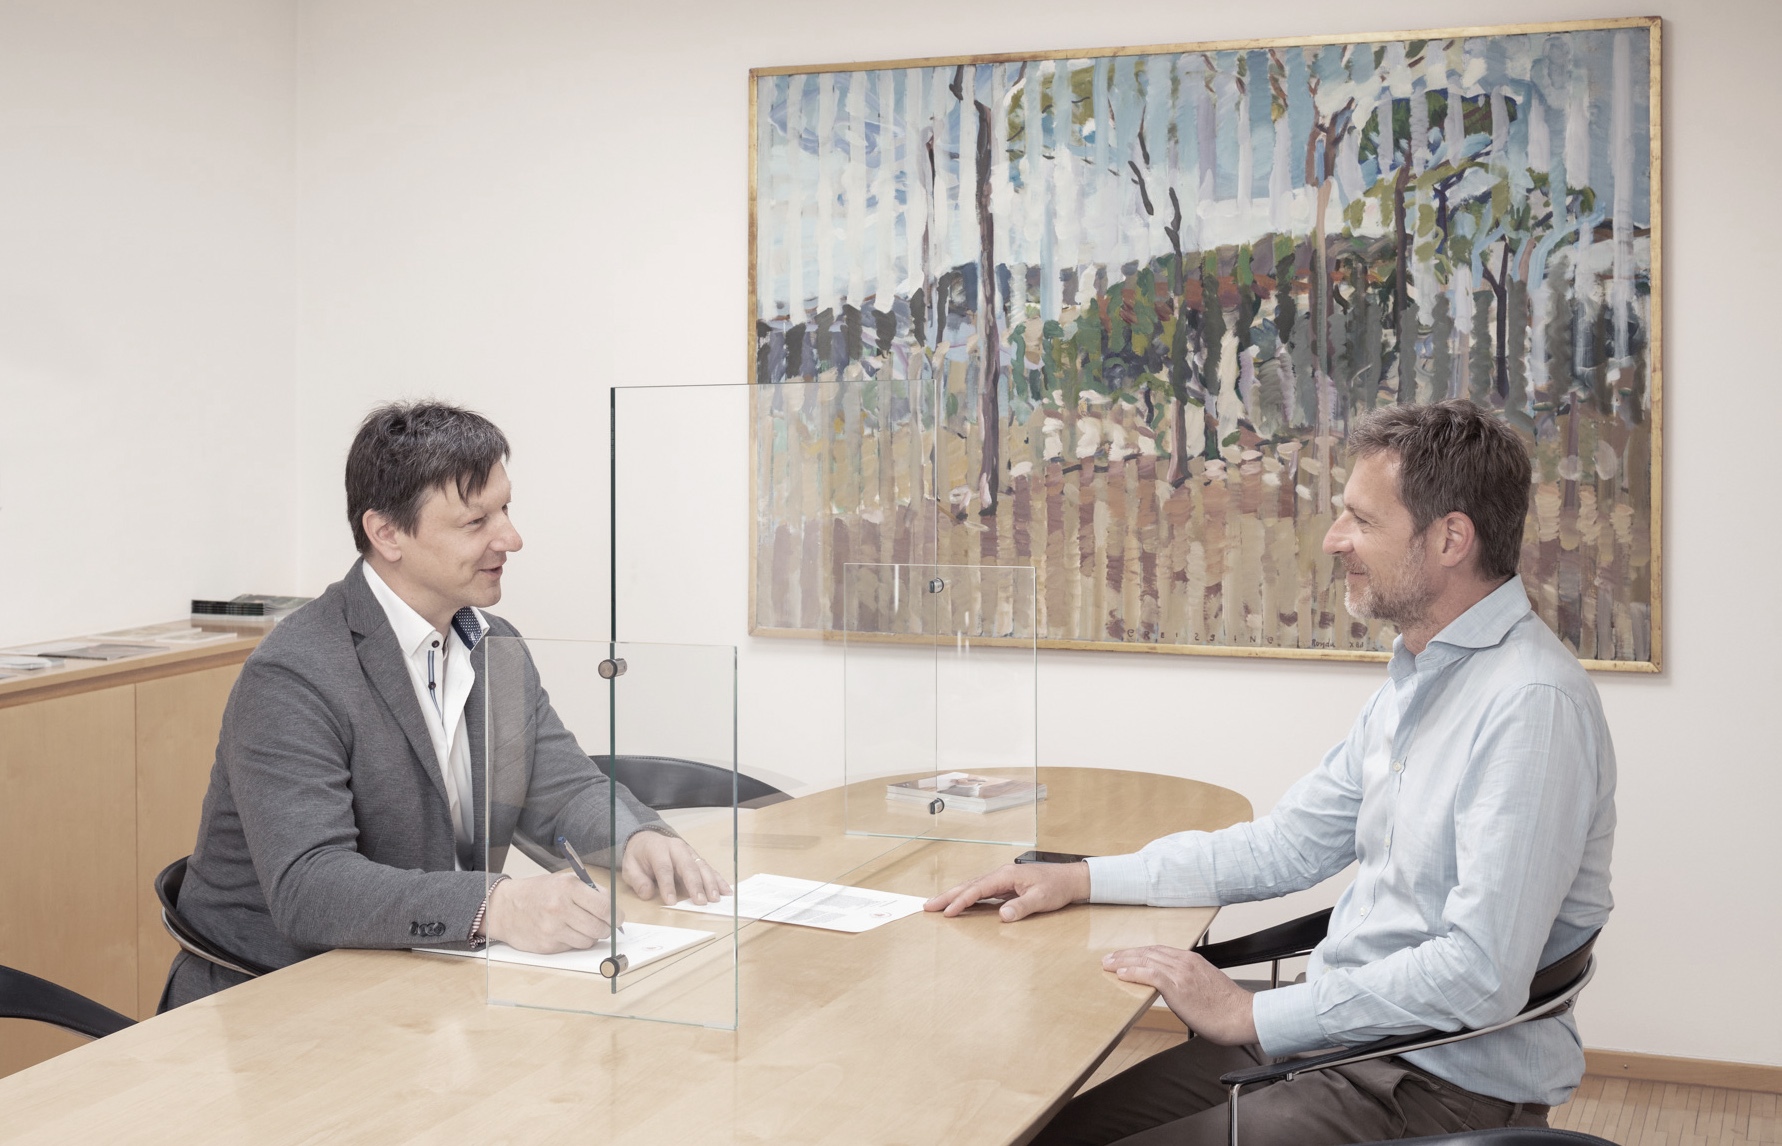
(926, 1030)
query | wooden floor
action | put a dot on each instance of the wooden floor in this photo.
(1636, 1113)
(1626, 1112)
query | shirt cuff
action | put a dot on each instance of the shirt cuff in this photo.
(478, 938)
(1119, 879)
(1287, 1020)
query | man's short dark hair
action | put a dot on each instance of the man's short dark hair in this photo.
(406, 450)
(1455, 457)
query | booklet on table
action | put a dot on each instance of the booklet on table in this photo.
(810, 903)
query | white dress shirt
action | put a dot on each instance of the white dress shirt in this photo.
(1477, 792)
(439, 668)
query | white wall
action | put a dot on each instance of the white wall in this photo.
(146, 452)
(508, 204)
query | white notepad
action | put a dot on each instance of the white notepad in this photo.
(641, 944)
(810, 903)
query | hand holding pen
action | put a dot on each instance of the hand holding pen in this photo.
(549, 913)
(575, 864)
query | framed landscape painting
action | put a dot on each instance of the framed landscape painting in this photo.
(1111, 314)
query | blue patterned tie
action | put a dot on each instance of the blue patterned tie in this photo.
(469, 629)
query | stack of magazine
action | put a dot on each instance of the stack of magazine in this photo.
(266, 608)
(966, 792)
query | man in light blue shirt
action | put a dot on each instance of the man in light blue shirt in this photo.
(1475, 793)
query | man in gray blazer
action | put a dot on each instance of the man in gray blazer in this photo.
(347, 806)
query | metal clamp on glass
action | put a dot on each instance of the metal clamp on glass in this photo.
(612, 667)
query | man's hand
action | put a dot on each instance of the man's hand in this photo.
(1035, 887)
(655, 862)
(547, 914)
(1201, 995)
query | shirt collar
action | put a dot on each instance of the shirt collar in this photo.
(412, 631)
(1489, 620)
(1485, 624)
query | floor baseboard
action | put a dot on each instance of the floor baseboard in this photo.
(1689, 1071)
(1606, 1063)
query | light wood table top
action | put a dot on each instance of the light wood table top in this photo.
(926, 1030)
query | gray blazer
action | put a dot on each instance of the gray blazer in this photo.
(327, 824)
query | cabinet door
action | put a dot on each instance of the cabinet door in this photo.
(177, 721)
(68, 851)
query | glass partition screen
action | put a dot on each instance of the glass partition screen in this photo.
(611, 777)
(940, 705)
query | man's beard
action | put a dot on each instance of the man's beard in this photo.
(1403, 602)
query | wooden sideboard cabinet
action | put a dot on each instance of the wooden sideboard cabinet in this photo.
(103, 769)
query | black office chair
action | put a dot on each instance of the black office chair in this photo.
(1504, 1136)
(1554, 989)
(167, 888)
(24, 996)
(662, 782)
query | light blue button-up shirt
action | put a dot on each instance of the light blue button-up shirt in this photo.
(1477, 792)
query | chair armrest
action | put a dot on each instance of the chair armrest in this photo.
(1282, 941)
(1556, 1004)
(1505, 1136)
(25, 996)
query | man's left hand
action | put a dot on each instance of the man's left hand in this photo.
(1202, 996)
(655, 863)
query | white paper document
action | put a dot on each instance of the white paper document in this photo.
(810, 903)
(641, 944)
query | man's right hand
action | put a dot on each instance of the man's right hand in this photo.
(1028, 888)
(547, 913)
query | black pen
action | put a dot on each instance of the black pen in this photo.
(575, 862)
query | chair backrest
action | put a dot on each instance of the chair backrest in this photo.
(1553, 979)
(24, 996)
(167, 889)
(168, 884)
(663, 782)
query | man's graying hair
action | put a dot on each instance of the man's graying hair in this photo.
(1456, 458)
(406, 450)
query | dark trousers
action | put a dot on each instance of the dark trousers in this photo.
(1174, 1097)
